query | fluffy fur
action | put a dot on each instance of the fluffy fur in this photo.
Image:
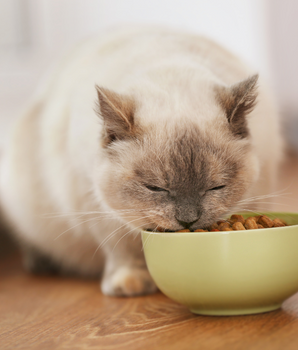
(180, 135)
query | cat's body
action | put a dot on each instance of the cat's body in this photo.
(68, 180)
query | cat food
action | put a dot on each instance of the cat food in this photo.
(237, 223)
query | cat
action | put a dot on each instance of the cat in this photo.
(182, 134)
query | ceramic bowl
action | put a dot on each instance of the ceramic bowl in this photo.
(229, 272)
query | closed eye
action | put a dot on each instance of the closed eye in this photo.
(155, 188)
(217, 188)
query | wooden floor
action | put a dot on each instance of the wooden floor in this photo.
(63, 313)
(57, 313)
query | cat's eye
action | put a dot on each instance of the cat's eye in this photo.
(155, 188)
(217, 188)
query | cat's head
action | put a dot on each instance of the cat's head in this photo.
(176, 172)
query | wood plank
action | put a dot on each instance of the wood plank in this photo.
(65, 313)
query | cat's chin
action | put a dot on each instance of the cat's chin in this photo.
(202, 224)
(163, 228)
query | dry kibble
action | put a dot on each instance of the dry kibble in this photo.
(253, 218)
(265, 221)
(278, 223)
(238, 223)
(221, 222)
(223, 226)
(227, 229)
(238, 218)
(213, 227)
(160, 229)
(283, 221)
(231, 222)
(237, 226)
(250, 224)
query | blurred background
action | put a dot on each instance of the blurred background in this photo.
(34, 34)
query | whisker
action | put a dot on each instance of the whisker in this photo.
(148, 239)
(270, 203)
(135, 228)
(99, 214)
(98, 219)
(269, 195)
(144, 245)
(112, 213)
(256, 199)
(80, 223)
(115, 232)
(245, 209)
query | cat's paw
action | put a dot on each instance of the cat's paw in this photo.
(128, 282)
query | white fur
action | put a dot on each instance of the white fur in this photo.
(172, 74)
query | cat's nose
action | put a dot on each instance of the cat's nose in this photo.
(187, 224)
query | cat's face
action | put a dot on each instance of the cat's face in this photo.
(176, 173)
(178, 181)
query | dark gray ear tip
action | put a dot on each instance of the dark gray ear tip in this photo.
(101, 92)
(246, 86)
(256, 77)
(253, 79)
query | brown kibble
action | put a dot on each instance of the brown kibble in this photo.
(223, 226)
(160, 229)
(253, 218)
(238, 223)
(238, 218)
(213, 226)
(278, 223)
(221, 222)
(250, 224)
(237, 226)
(265, 221)
(227, 229)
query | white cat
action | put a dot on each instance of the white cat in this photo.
(180, 136)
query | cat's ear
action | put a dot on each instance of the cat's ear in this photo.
(117, 113)
(238, 101)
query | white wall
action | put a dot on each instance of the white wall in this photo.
(236, 24)
(283, 29)
(283, 26)
(34, 32)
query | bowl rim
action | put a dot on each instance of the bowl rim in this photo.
(227, 232)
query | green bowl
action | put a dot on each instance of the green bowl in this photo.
(229, 272)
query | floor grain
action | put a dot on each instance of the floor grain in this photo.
(59, 313)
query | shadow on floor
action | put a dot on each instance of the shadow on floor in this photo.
(7, 245)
